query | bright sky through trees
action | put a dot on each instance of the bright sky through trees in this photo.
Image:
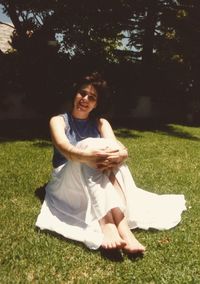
(3, 17)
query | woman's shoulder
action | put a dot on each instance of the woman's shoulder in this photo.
(57, 119)
(102, 121)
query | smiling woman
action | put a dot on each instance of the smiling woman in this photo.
(92, 197)
(85, 101)
(93, 88)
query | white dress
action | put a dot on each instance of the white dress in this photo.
(78, 196)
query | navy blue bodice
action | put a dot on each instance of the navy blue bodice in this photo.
(75, 130)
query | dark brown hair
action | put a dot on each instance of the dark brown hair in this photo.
(100, 85)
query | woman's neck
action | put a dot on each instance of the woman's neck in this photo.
(79, 114)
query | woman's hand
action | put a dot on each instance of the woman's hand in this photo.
(113, 160)
(98, 158)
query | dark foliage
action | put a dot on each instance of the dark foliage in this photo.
(162, 59)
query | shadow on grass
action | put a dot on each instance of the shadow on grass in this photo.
(118, 256)
(40, 192)
(171, 130)
(135, 256)
(124, 129)
(14, 130)
(126, 133)
(112, 254)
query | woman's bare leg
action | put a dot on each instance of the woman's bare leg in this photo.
(132, 244)
(112, 239)
(117, 186)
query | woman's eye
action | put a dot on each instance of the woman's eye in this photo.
(92, 98)
(82, 93)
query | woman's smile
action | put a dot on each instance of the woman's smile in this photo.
(82, 105)
(85, 101)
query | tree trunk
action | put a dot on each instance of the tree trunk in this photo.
(148, 71)
(11, 10)
(150, 23)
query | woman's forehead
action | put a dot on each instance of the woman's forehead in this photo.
(89, 88)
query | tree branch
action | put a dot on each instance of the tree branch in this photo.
(37, 17)
(6, 24)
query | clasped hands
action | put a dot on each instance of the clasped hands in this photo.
(105, 159)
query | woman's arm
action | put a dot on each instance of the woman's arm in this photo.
(60, 141)
(105, 129)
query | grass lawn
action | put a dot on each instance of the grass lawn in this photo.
(165, 160)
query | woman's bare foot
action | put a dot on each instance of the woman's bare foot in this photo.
(112, 239)
(132, 244)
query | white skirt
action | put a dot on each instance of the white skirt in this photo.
(77, 197)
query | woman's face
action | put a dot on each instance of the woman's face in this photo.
(85, 100)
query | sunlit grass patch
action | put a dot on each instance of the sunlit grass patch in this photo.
(160, 161)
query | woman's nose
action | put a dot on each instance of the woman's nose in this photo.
(85, 97)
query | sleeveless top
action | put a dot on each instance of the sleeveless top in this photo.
(75, 131)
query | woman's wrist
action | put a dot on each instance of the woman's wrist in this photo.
(75, 154)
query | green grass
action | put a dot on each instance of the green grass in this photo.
(163, 161)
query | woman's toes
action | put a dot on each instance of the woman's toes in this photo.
(123, 243)
(135, 248)
(115, 244)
